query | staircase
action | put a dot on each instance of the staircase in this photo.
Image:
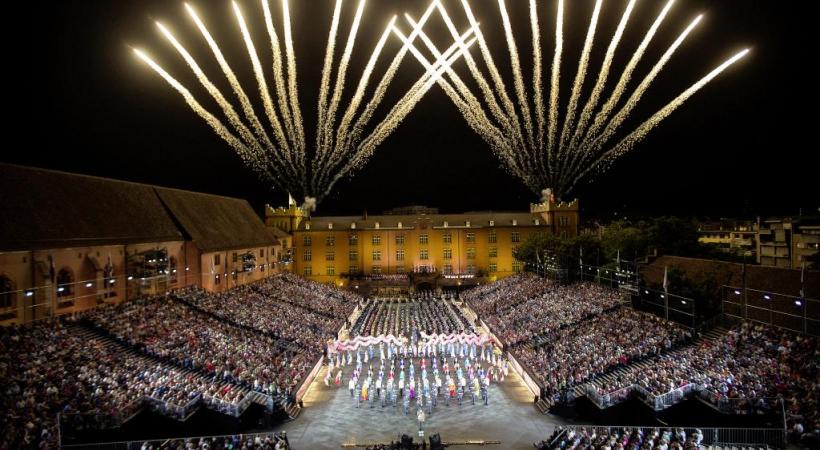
(543, 405)
(293, 410)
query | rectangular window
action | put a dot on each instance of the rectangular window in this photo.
(377, 269)
(470, 239)
(261, 252)
(399, 239)
(330, 270)
(354, 269)
(217, 259)
(400, 254)
(493, 267)
(515, 236)
(330, 256)
(353, 239)
(352, 255)
(492, 238)
(423, 238)
(399, 269)
(233, 257)
(493, 253)
(448, 253)
(516, 267)
(307, 241)
(377, 255)
(307, 271)
(307, 255)
(471, 253)
(448, 238)
(448, 269)
(330, 240)
(376, 239)
(423, 255)
(470, 268)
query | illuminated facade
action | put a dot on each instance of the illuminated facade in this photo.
(328, 249)
(71, 242)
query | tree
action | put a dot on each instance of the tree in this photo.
(629, 240)
(536, 244)
(674, 236)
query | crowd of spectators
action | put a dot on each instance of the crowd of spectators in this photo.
(523, 308)
(573, 355)
(743, 372)
(270, 441)
(171, 353)
(409, 318)
(567, 335)
(55, 368)
(621, 439)
(190, 339)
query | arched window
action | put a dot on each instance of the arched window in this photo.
(65, 280)
(7, 293)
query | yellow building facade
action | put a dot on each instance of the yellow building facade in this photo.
(481, 244)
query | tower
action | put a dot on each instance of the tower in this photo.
(287, 218)
(562, 217)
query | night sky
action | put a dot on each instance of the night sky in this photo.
(742, 146)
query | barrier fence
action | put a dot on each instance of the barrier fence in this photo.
(165, 443)
(748, 437)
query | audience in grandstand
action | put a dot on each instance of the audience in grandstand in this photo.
(272, 441)
(211, 351)
(744, 372)
(381, 317)
(572, 355)
(524, 307)
(596, 438)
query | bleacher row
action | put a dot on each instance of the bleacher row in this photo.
(172, 354)
(648, 438)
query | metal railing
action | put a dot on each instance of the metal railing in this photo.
(663, 401)
(166, 443)
(607, 399)
(178, 412)
(707, 436)
(741, 406)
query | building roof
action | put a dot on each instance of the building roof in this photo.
(49, 209)
(43, 209)
(214, 222)
(763, 278)
(278, 233)
(390, 221)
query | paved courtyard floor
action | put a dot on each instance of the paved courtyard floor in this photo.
(330, 419)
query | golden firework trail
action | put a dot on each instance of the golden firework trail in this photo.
(400, 111)
(340, 148)
(538, 154)
(598, 142)
(634, 137)
(209, 118)
(580, 76)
